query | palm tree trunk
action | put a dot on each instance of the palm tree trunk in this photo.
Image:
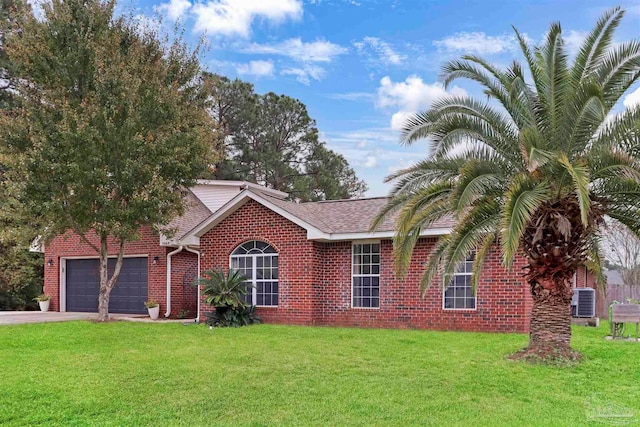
(550, 327)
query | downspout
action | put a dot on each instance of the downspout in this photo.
(193, 251)
(169, 255)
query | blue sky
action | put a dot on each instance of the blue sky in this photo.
(361, 65)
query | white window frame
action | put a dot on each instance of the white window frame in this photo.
(446, 286)
(353, 275)
(254, 269)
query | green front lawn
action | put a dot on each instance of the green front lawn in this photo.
(84, 373)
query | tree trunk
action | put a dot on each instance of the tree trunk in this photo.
(107, 283)
(550, 327)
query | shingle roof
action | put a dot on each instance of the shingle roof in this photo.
(194, 213)
(344, 216)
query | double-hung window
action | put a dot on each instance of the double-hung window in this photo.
(258, 262)
(459, 293)
(365, 280)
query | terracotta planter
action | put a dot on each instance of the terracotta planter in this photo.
(44, 305)
(154, 312)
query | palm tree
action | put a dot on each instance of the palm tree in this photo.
(535, 167)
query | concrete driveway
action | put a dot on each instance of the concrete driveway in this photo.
(20, 317)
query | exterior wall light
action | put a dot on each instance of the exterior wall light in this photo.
(50, 262)
(155, 259)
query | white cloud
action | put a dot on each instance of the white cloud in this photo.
(478, 42)
(398, 119)
(632, 100)
(373, 152)
(371, 162)
(573, 41)
(383, 50)
(256, 68)
(305, 73)
(352, 96)
(235, 17)
(410, 96)
(174, 9)
(295, 48)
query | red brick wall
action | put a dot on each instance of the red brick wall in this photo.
(499, 303)
(71, 245)
(252, 221)
(315, 281)
(184, 296)
(584, 279)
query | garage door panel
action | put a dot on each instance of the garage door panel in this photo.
(127, 296)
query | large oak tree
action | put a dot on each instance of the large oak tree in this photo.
(113, 125)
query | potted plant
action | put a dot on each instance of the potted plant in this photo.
(43, 301)
(226, 293)
(153, 308)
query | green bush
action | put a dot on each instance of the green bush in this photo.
(231, 317)
(226, 293)
(21, 277)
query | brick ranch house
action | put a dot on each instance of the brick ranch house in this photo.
(310, 263)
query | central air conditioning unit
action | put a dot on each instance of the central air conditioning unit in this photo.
(583, 302)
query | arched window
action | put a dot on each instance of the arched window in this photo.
(258, 261)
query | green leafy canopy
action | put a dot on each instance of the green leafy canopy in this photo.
(270, 139)
(112, 130)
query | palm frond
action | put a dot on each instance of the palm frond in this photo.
(468, 234)
(623, 132)
(541, 140)
(433, 264)
(619, 70)
(408, 203)
(454, 131)
(596, 44)
(587, 112)
(552, 59)
(534, 70)
(522, 199)
(613, 164)
(405, 240)
(476, 179)
(478, 262)
(580, 178)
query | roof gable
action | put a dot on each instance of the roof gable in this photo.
(324, 221)
(195, 212)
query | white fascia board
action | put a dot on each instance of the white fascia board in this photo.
(313, 233)
(174, 242)
(219, 215)
(243, 185)
(374, 235)
(235, 203)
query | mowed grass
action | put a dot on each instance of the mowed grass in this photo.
(127, 374)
